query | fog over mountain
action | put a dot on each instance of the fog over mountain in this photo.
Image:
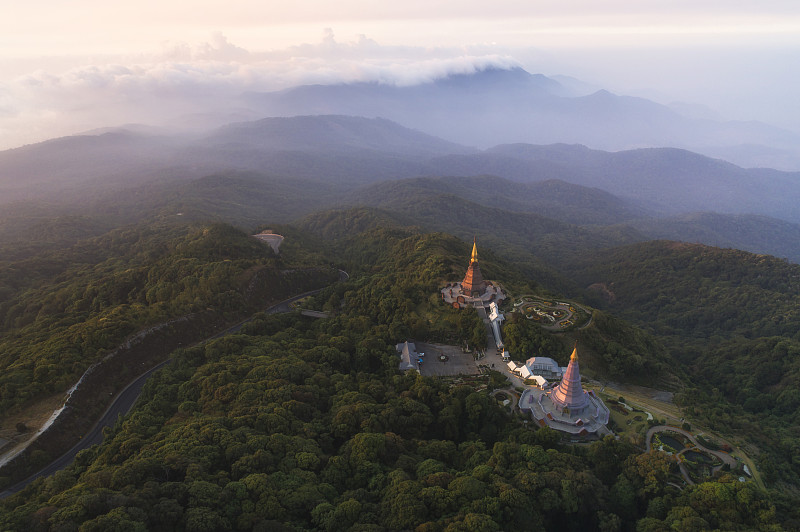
(283, 168)
(495, 105)
(354, 150)
(478, 101)
(611, 97)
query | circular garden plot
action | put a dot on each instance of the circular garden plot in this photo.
(548, 313)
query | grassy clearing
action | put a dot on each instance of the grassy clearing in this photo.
(660, 409)
(32, 416)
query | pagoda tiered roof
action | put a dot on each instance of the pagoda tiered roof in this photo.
(474, 290)
(569, 393)
(568, 407)
(473, 283)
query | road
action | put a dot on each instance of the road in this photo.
(124, 401)
(122, 404)
(282, 307)
(591, 316)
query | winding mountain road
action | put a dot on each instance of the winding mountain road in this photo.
(122, 404)
(126, 399)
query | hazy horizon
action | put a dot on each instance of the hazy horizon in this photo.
(65, 69)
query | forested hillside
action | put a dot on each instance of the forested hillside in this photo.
(691, 290)
(118, 304)
(63, 310)
(306, 424)
(82, 275)
(79, 187)
(758, 234)
(536, 244)
(552, 198)
(732, 319)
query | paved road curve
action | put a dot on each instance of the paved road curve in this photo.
(125, 400)
(122, 404)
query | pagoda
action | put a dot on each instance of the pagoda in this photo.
(473, 284)
(474, 290)
(568, 407)
(569, 395)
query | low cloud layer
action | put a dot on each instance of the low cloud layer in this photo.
(195, 80)
(206, 78)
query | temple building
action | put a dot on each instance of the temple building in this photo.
(569, 396)
(473, 283)
(473, 290)
(568, 407)
(409, 357)
(545, 366)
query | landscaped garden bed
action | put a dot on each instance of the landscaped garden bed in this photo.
(549, 313)
(671, 442)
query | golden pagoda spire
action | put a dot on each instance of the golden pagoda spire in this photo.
(574, 355)
(474, 250)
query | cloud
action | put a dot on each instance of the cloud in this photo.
(207, 77)
(182, 79)
(219, 48)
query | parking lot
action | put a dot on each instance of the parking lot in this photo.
(457, 363)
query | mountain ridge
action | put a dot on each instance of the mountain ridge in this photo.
(503, 106)
(334, 156)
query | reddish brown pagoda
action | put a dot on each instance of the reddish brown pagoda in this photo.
(473, 284)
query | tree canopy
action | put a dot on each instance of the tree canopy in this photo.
(296, 424)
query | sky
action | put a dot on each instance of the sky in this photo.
(67, 67)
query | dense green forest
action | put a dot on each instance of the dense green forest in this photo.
(299, 424)
(294, 423)
(731, 318)
(63, 309)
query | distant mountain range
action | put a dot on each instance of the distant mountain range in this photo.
(553, 198)
(332, 148)
(666, 180)
(561, 221)
(284, 168)
(497, 106)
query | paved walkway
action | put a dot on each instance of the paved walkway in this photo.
(589, 312)
(513, 396)
(724, 457)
